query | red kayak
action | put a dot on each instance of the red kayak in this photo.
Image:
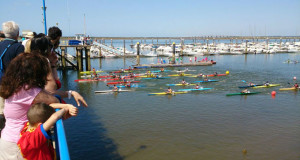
(105, 76)
(87, 80)
(212, 75)
(120, 82)
(114, 79)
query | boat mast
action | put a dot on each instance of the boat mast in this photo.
(45, 21)
(84, 26)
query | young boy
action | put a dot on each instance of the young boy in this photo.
(35, 142)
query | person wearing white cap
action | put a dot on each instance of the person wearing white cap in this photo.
(28, 37)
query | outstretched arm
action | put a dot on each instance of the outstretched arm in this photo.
(52, 120)
(72, 110)
(78, 98)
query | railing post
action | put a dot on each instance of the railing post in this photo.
(61, 141)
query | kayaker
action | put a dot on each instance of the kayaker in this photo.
(169, 90)
(245, 91)
(251, 84)
(296, 85)
(115, 88)
(267, 83)
(162, 70)
(129, 68)
(216, 73)
(205, 78)
(183, 82)
(197, 86)
(200, 75)
(94, 74)
(131, 75)
(181, 74)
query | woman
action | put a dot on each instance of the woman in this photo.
(42, 45)
(21, 86)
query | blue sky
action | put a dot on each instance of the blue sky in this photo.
(158, 17)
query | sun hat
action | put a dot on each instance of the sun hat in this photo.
(29, 35)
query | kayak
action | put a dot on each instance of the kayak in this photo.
(120, 82)
(87, 80)
(180, 84)
(157, 78)
(105, 76)
(110, 91)
(177, 75)
(234, 94)
(147, 76)
(264, 86)
(250, 86)
(164, 93)
(158, 71)
(195, 76)
(89, 72)
(192, 89)
(289, 89)
(121, 71)
(186, 70)
(131, 86)
(114, 79)
(212, 75)
(206, 81)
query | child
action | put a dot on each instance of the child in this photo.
(34, 142)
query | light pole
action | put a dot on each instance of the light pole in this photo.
(45, 21)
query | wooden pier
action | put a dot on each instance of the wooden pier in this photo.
(173, 65)
(80, 50)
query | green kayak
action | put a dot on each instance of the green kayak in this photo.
(234, 94)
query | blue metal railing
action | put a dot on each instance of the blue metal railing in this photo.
(62, 151)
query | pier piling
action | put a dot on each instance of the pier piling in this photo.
(138, 53)
(79, 58)
(87, 50)
(173, 53)
(63, 57)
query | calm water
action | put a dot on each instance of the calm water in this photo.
(193, 126)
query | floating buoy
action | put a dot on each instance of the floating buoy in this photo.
(294, 78)
(227, 72)
(244, 151)
(273, 93)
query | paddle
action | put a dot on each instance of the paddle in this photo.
(251, 85)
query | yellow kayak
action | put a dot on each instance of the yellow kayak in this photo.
(289, 89)
(90, 72)
(178, 75)
(165, 93)
(264, 86)
(145, 76)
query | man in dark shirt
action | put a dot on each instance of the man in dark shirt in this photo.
(11, 32)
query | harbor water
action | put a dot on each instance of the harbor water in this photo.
(192, 126)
